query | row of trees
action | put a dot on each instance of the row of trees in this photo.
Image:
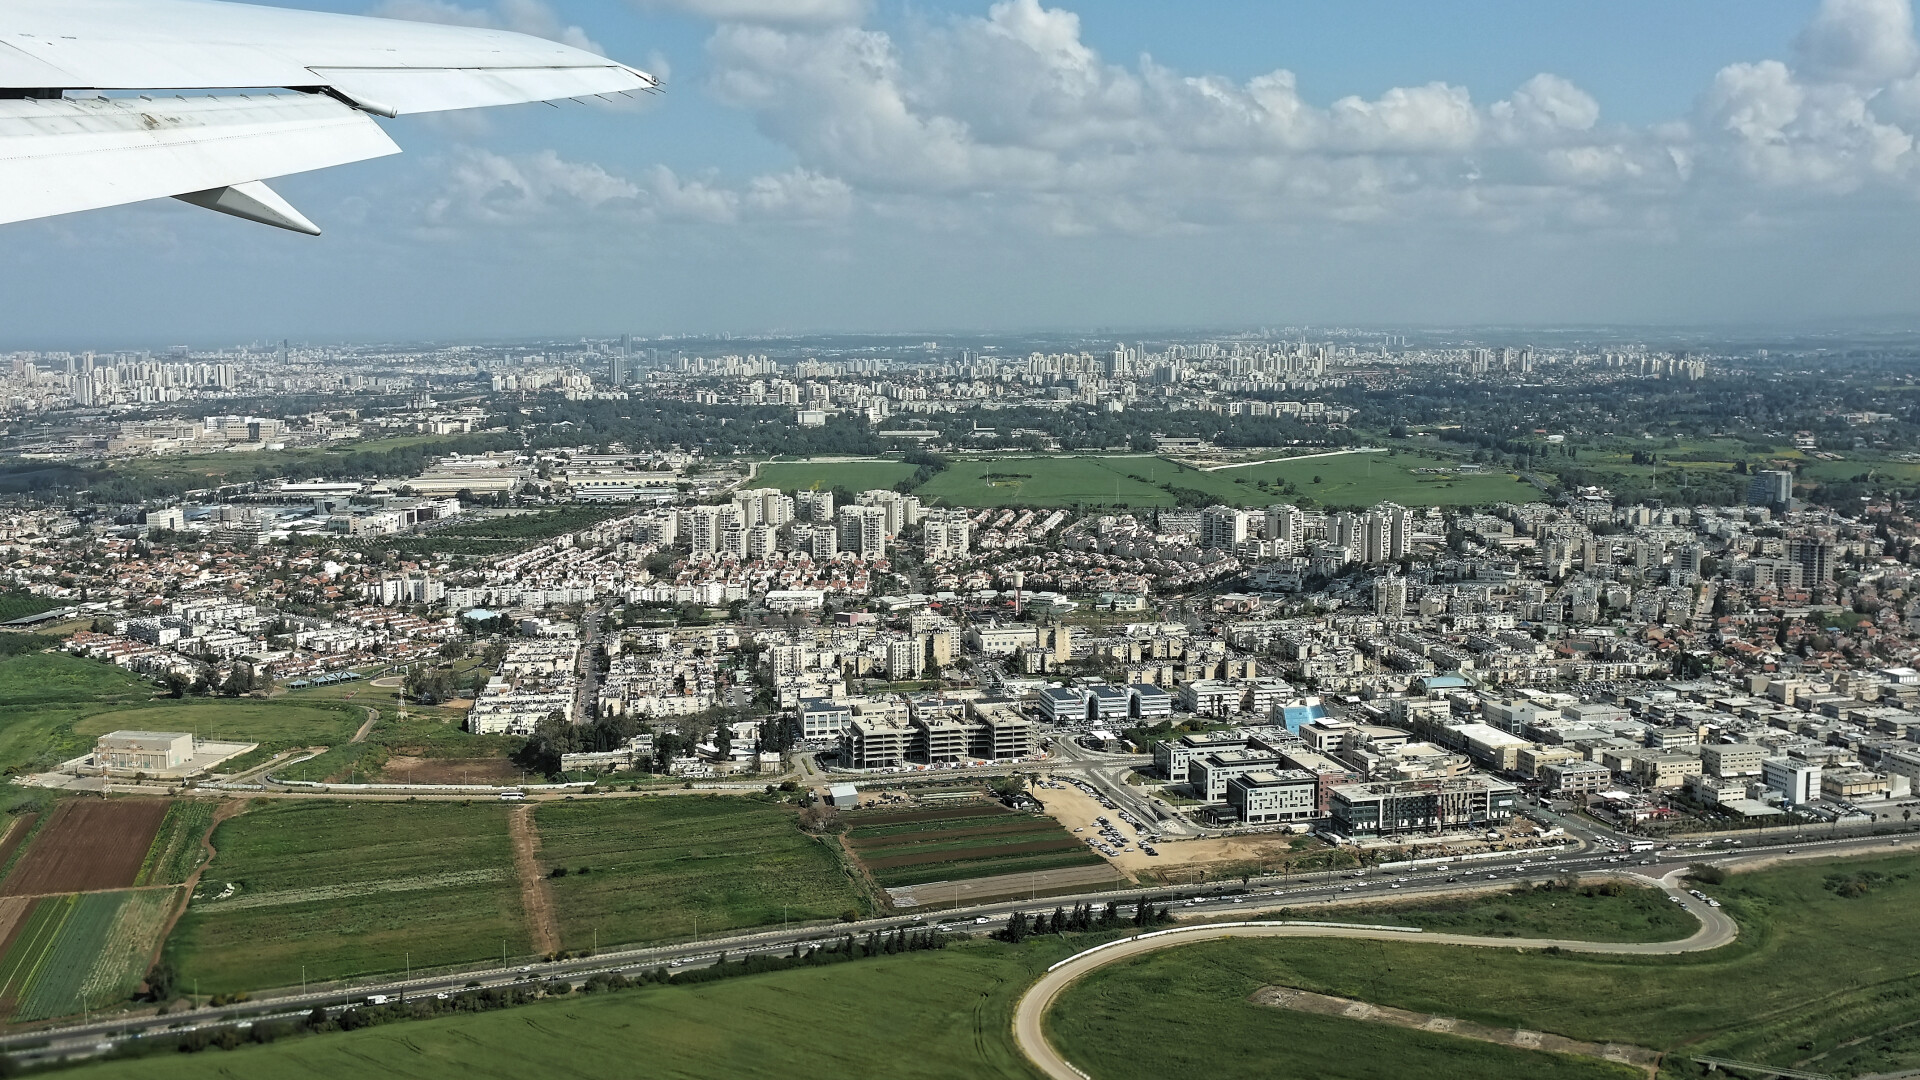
(1020, 926)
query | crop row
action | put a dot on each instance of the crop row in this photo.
(921, 836)
(930, 872)
(52, 986)
(974, 852)
(176, 849)
(901, 817)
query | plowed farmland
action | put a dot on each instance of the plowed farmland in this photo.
(88, 845)
(958, 843)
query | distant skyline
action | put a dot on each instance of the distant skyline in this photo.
(838, 165)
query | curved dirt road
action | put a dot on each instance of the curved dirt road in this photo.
(1716, 930)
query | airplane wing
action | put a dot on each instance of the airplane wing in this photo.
(104, 102)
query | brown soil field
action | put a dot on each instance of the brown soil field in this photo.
(902, 817)
(406, 769)
(989, 851)
(17, 831)
(88, 845)
(13, 913)
(872, 843)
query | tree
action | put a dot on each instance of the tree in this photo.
(162, 982)
(236, 683)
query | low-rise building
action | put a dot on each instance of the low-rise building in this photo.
(1396, 808)
(1274, 795)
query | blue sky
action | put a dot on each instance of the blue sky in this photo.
(839, 164)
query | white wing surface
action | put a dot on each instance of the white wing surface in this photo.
(71, 138)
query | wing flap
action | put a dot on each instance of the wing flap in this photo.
(400, 90)
(61, 156)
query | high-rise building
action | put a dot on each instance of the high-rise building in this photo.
(1222, 527)
(863, 531)
(901, 510)
(1390, 596)
(1285, 523)
(1814, 557)
(1772, 487)
(947, 534)
(814, 505)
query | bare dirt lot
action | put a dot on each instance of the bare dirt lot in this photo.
(88, 845)
(1077, 810)
(406, 769)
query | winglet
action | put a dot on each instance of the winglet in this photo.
(253, 201)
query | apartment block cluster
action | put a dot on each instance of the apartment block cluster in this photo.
(537, 680)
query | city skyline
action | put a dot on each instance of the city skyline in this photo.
(1019, 166)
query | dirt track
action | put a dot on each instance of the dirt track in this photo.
(536, 897)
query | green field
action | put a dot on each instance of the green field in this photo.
(943, 1015)
(657, 865)
(921, 1016)
(268, 723)
(957, 844)
(350, 889)
(854, 476)
(1356, 479)
(1825, 958)
(60, 980)
(46, 694)
(1366, 479)
(176, 849)
(1044, 481)
(1588, 913)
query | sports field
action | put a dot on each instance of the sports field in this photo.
(957, 843)
(653, 867)
(852, 475)
(1821, 979)
(347, 889)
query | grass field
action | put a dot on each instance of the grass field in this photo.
(657, 865)
(267, 723)
(924, 1016)
(1825, 958)
(918, 847)
(45, 694)
(1366, 479)
(851, 475)
(1631, 914)
(1043, 481)
(1359, 479)
(921, 1016)
(348, 889)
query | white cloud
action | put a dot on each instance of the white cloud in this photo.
(769, 12)
(1013, 114)
(490, 187)
(1868, 43)
(543, 188)
(520, 16)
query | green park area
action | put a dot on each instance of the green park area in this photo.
(1821, 979)
(1139, 481)
(849, 475)
(336, 889)
(654, 869)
